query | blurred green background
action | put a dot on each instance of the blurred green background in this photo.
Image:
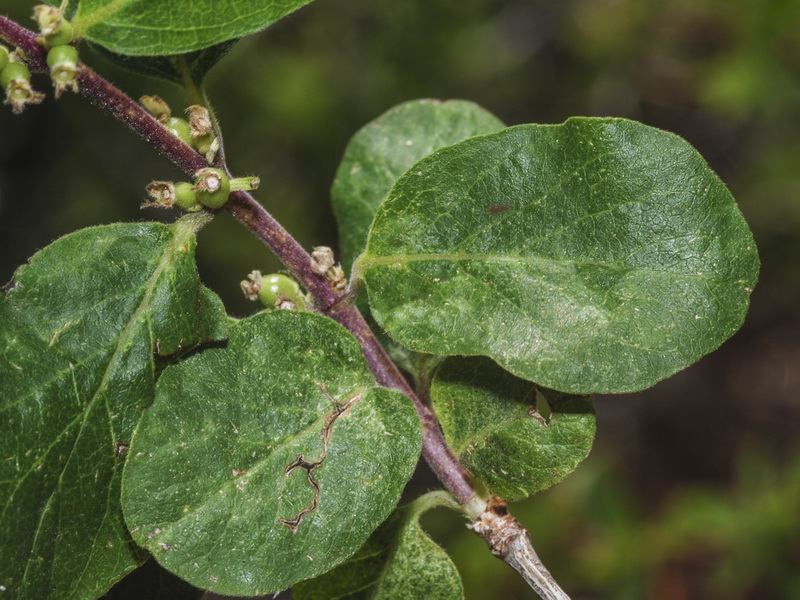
(693, 488)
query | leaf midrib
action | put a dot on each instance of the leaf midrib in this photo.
(367, 261)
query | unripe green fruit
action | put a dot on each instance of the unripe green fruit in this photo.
(63, 63)
(202, 143)
(62, 54)
(14, 71)
(180, 129)
(278, 284)
(186, 197)
(3, 57)
(62, 35)
(213, 187)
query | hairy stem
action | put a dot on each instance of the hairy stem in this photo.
(25, 41)
(503, 533)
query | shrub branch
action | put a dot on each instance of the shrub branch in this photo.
(505, 536)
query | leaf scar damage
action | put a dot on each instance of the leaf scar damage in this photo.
(496, 209)
(120, 449)
(339, 409)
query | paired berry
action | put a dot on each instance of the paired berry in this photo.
(274, 291)
(163, 114)
(202, 128)
(180, 129)
(186, 197)
(15, 71)
(63, 63)
(56, 30)
(15, 79)
(276, 287)
(62, 36)
(212, 187)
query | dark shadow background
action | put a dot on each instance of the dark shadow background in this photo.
(693, 489)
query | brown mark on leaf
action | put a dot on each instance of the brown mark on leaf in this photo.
(121, 449)
(58, 332)
(500, 207)
(339, 409)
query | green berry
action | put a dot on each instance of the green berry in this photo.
(14, 71)
(202, 143)
(271, 286)
(62, 54)
(15, 79)
(212, 186)
(3, 57)
(63, 63)
(186, 197)
(180, 129)
(62, 34)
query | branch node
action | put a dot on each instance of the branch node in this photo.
(509, 541)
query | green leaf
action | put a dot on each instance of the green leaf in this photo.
(190, 68)
(377, 155)
(514, 438)
(600, 255)
(158, 28)
(270, 460)
(78, 328)
(399, 561)
(381, 151)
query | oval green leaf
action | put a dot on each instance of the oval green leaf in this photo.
(399, 561)
(600, 255)
(158, 28)
(514, 437)
(381, 151)
(268, 461)
(79, 326)
(377, 155)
